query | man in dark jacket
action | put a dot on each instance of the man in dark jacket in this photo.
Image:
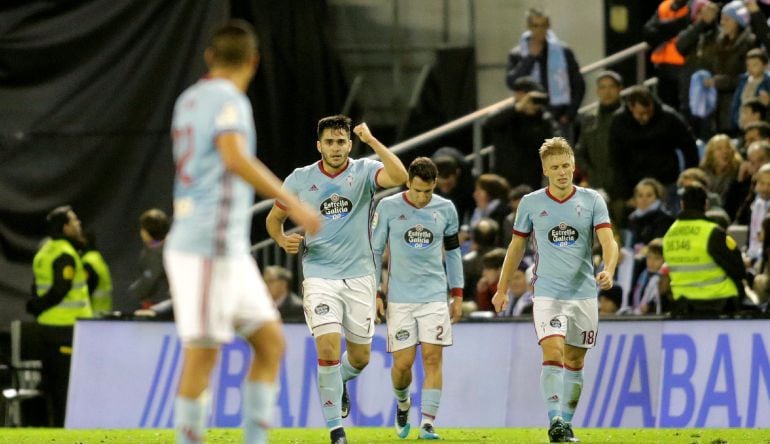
(644, 138)
(517, 133)
(541, 55)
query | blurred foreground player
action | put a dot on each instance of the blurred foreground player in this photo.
(214, 281)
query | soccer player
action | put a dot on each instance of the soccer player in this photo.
(214, 281)
(563, 219)
(417, 227)
(339, 285)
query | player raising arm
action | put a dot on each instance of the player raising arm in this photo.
(339, 286)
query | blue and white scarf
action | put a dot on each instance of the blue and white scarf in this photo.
(558, 77)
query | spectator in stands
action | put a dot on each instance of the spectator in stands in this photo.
(650, 219)
(705, 268)
(752, 111)
(592, 152)
(752, 132)
(698, 177)
(644, 138)
(754, 84)
(517, 133)
(278, 280)
(761, 285)
(740, 195)
(490, 195)
(758, 23)
(99, 277)
(721, 162)
(729, 50)
(660, 32)
(455, 180)
(542, 56)
(520, 292)
(151, 286)
(696, 44)
(486, 287)
(514, 197)
(60, 297)
(759, 210)
(645, 299)
(610, 300)
(484, 239)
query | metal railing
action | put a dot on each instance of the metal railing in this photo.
(267, 252)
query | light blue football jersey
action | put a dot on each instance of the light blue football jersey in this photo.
(341, 249)
(564, 234)
(211, 205)
(416, 239)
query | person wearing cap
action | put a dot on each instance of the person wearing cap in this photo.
(592, 152)
(704, 263)
(517, 133)
(551, 63)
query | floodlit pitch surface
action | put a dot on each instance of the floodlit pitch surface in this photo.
(387, 435)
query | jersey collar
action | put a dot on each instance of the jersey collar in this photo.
(548, 192)
(333, 175)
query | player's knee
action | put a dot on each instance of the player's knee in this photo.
(359, 358)
(268, 343)
(431, 362)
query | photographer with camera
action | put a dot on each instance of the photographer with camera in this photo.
(518, 131)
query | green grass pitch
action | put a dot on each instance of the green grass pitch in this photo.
(386, 435)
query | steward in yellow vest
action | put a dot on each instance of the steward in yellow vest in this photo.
(61, 290)
(99, 277)
(705, 267)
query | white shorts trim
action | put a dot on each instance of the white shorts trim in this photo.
(409, 324)
(577, 321)
(215, 296)
(334, 305)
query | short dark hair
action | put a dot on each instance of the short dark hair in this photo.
(655, 246)
(536, 12)
(526, 84)
(423, 168)
(757, 107)
(338, 122)
(234, 43)
(519, 191)
(493, 259)
(694, 197)
(155, 223)
(485, 232)
(762, 127)
(56, 219)
(640, 95)
(496, 186)
(757, 53)
(446, 166)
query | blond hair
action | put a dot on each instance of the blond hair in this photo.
(556, 146)
(708, 163)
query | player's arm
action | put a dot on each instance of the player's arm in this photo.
(231, 146)
(63, 275)
(274, 225)
(394, 173)
(380, 232)
(454, 271)
(609, 257)
(513, 257)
